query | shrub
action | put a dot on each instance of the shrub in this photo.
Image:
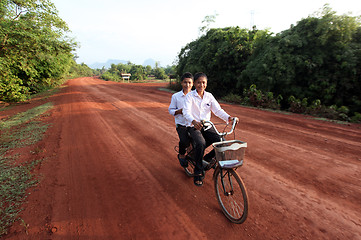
(356, 118)
(107, 76)
(256, 98)
(296, 105)
(175, 86)
(233, 98)
(12, 90)
(343, 109)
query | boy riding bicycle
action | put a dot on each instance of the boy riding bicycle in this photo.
(198, 106)
(176, 110)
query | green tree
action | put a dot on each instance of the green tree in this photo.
(148, 70)
(206, 22)
(170, 70)
(319, 58)
(80, 70)
(159, 72)
(138, 72)
(34, 50)
(222, 54)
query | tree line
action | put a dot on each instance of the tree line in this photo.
(313, 64)
(138, 72)
(35, 52)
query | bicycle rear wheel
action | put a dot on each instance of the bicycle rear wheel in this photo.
(231, 195)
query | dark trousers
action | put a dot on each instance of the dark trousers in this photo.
(184, 139)
(201, 140)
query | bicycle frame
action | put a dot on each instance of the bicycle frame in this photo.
(223, 172)
(223, 134)
(223, 186)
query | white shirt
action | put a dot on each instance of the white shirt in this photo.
(177, 103)
(197, 108)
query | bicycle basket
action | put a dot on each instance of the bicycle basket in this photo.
(230, 154)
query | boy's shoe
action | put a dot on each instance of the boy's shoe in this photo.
(183, 162)
(198, 181)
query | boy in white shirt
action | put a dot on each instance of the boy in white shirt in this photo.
(197, 107)
(176, 109)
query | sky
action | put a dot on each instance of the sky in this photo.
(136, 30)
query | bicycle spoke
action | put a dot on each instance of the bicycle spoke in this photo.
(236, 209)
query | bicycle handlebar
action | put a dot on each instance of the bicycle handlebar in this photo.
(223, 134)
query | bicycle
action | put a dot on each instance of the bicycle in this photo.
(229, 156)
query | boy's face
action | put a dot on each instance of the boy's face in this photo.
(200, 84)
(187, 84)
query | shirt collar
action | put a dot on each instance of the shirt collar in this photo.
(195, 93)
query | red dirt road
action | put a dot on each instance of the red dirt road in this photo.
(111, 173)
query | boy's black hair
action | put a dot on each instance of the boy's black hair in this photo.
(187, 75)
(199, 75)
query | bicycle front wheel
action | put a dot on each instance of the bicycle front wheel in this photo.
(231, 195)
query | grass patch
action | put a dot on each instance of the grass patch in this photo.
(329, 120)
(5, 106)
(21, 130)
(167, 90)
(23, 117)
(148, 81)
(47, 93)
(15, 181)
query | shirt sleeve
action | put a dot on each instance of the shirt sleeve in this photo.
(187, 108)
(218, 111)
(172, 106)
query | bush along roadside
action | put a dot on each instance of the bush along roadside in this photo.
(315, 108)
(16, 177)
(256, 98)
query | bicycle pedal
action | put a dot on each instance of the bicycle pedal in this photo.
(208, 165)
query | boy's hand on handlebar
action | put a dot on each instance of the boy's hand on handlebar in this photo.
(233, 119)
(197, 125)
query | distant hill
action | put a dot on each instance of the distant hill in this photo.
(107, 64)
(150, 62)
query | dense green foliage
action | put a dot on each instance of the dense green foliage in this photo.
(138, 72)
(222, 54)
(254, 97)
(317, 60)
(79, 70)
(114, 72)
(34, 51)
